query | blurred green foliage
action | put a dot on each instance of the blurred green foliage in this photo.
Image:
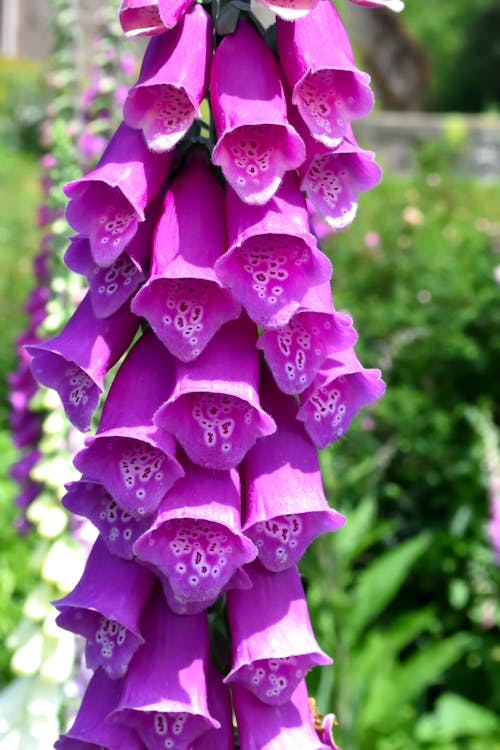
(22, 100)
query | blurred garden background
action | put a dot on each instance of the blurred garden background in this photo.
(406, 596)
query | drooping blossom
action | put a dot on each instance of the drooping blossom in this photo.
(164, 696)
(273, 259)
(285, 507)
(273, 642)
(131, 457)
(342, 387)
(296, 351)
(75, 362)
(105, 607)
(290, 10)
(173, 81)
(317, 60)
(183, 300)
(256, 143)
(195, 539)
(141, 18)
(213, 411)
(107, 204)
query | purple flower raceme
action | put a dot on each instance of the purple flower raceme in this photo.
(108, 204)
(265, 727)
(183, 300)
(273, 259)
(214, 411)
(342, 387)
(317, 60)
(256, 143)
(296, 351)
(290, 10)
(106, 607)
(285, 507)
(75, 362)
(90, 729)
(195, 540)
(173, 81)
(273, 642)
(131, 457)
(164, 697)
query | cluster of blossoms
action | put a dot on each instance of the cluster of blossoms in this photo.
(202, 477)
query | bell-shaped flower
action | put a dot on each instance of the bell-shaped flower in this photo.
(118, 528)
(214, 410)
(108, 204)
(171, 11)
(105, 607)
(256, 143)
(342, 387)
(273, 259)
(182, 606)
(21, 469)
(173, 80)
(395, 5)
(164, 696)
(141, 18)
(316, 58)
(296, 351)
(333, 179)
(75, 362)
(219, 703)
(29, 492)
(290, 10)
(133, 459)
(26, 428)
(285, 507)
(195, 539)
(90, 728)
(273, 642)
(266, 727)
(183, 300)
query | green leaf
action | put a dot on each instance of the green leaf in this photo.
(456, 717)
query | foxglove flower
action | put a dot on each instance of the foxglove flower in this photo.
(273, 642)
(141, 18)
(219, 704)
(75, 362)
(317, 60)
(118, 528)
(90, 728)
(215, 412)
(182, 606)
(21, 469)
(286, 727)
(173, 81)
(296, 351)
(184, 301)
(164, 696)
(129, 456)
(273, 259)
(108, 204)
(106, 607)
(195, 539)
(342, 387)
(285, 507)
(171, 11)
(396, 5)
(290, 10)
(256, 143)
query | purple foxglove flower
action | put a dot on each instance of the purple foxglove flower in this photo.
(131, 457)
(183, 300)
(90, 729)
(20, 470)
(290, 10)
(296, 351)
(29, 492)
(333, 180)
(91, 145)
(266, 727)
(396, 5)
(141, 18)
(107, 204)
(273, 259)
(173, 10)
(105, 607)
(285, 507)
(173, 81)
(26, 428)
(214, 411)
(165, 692)
(195, 539)
(239, 580)
(219, 704)
(118, 528)
(273, 642)
(75, 362)
(317, 60)
(342, 387)
(257, 144)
